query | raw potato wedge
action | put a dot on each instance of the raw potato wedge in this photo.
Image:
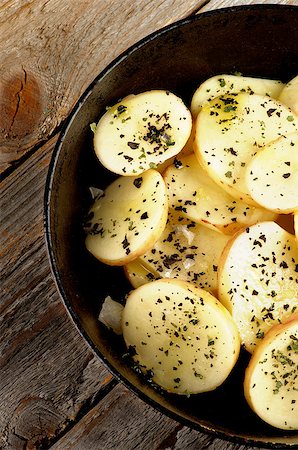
(232, 84)
(127, 220)
(182, 338)
(231, 129)
(196, 196)
(137, 274)
(270, 384)
(289, 95)
(272, 175)
(258, 279)
(187, 251)
(142, 131)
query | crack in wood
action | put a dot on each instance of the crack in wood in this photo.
(6, 436)
(197, 10)
(22, 438)
(20, 153)
(18, 95)
(91, 403)
(30, 153)
(170, 441)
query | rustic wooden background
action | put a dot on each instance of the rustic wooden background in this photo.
(54, 392)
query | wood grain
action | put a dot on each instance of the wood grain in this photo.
(48, 375)
(46, 66)
(108, 425)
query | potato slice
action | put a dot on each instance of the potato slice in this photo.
(127, 220)
(181, 336)
(296, 225)
(187, 251)
(231, 129)
(141, 132)
(272, 175)
(138, 274)
(289, 95)
(258, 279)
(196, 196)
(270, 384)
(187, 150)
(232, 84)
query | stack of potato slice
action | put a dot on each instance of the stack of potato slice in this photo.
(208, 238)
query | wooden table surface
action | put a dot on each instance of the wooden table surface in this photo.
(54, 392)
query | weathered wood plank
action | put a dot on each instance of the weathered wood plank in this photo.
(108, 427)
(46, 66)
(48, 375)
(215, 4)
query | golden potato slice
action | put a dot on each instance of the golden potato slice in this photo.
(258, 279)
(187, 150)
(270, 384)
(231, 129)
(137, 274)
(232, 84)
(127, 220)
(141, 132)
(196, 196)
(272, 175)
(289, 95)
(187, 251)
(181, 336)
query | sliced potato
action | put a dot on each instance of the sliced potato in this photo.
(258, 279)
(181, 336)
(196, 196)
(187, 150)
(231, 129)
(270, 384)
(187, 251)
(296, 225)
(137, 273)
(289, 95)
(127, 220)
(141, 132)
(272, 175)
(232, 84)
